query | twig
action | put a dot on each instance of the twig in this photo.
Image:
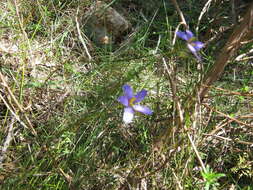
(81, 38)
(226, 121)
(222, 124)
(180, 14)
(246, 116)
(219, 34)
(177, 180)
(7, 141)
(227, 116)
(246, 58)
(229, 91)
(180, 113)
(67, 177)
(197, 153)
(204, 10)
(12, 112)
(5, 85)
(240, 57)
(228, 139)
(240, 33)
(174, 93)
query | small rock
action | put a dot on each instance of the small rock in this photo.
(104, 25)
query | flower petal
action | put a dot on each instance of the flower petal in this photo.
(189, 34)
(194, 51)
(182, 35)
(142, 109)
(198, 45)
(128, 115)
(128, 91)
(123, 100)
(191, 48)
(140, 96)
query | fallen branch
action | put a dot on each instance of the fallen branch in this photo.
(240, 33)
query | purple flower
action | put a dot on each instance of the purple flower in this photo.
(193, 45)
(129, 100)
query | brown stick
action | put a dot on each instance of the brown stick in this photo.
(180, 113)
(240, 33)
(229, 117)
(180, 14)
(8, 90)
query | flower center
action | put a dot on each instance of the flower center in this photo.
(191, 40)
(131, 101)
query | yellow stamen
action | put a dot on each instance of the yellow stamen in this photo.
(192, 39)
(131, 101)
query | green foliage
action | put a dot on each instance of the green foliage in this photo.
(211, 178)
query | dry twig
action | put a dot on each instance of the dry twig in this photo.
(13, 112)
(231, 140)
(81, 38)
(204, 10)
(8, 90)
(243, 56)
(229, 92)
(7, 142)
(180, 14)
(180, 113)
(240, 33)
(229, 117)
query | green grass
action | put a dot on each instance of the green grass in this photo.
(82, 142)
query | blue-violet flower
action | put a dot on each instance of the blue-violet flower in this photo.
(129, 100)
(193, 45)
